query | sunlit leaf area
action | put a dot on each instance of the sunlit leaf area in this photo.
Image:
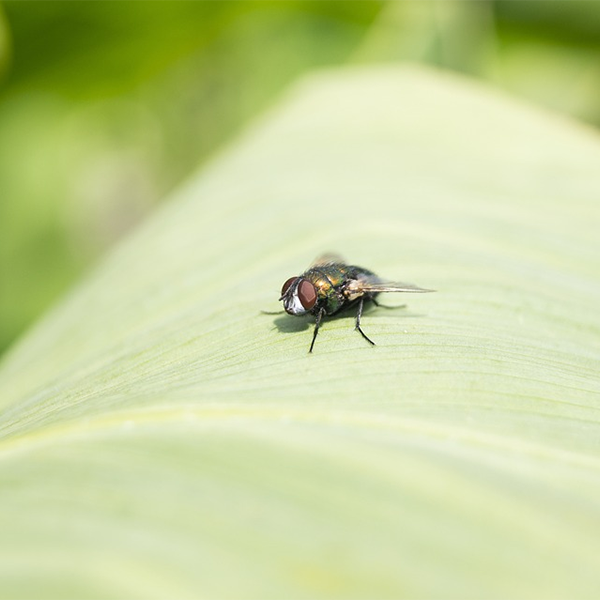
(106, 107)
(166, 166)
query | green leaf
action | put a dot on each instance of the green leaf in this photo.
(163, 438)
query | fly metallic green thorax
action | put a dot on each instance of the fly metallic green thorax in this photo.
(330, 282)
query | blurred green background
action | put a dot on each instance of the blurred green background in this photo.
(107, 106)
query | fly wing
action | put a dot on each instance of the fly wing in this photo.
(371, 284)
(391, 286)
(327, 259)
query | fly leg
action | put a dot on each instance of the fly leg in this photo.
(358, 315)
(385, 305)
(317, 324)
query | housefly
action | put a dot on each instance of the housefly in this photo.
(330, 286)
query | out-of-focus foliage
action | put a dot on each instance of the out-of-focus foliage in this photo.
(546, 51)
(4, 44)
(107, 106)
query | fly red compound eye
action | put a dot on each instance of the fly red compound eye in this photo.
(307, 294)
(287, 284)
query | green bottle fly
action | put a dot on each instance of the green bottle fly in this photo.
(330, 286)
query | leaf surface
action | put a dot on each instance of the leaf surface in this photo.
(163, 438)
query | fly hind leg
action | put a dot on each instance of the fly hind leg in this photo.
(387, 306)
(358, 316)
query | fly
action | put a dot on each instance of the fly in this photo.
(330, 286)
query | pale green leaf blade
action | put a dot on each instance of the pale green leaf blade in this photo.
(162, 438)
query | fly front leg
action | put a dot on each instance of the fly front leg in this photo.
(358, 315)
(320, 315)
